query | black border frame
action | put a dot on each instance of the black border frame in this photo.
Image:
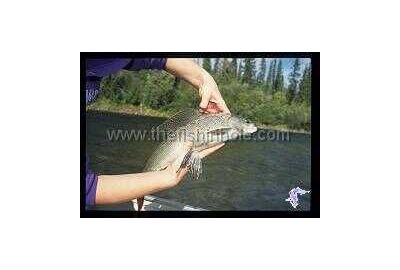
(315, 138)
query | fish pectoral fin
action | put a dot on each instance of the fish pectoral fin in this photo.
(196, 167)
(192, 160)
(186, 160)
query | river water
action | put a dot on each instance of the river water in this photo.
(255, 174)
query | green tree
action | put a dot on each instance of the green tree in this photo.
(269, 77)
(240, 70)
(207, 64)
(274, 68)
(249, 70)
(160, 91)
(263, 70)
(273, 75)
(216, 66)
(234, 66)
(226, 68)
(293, 80)
(226, 72)
(278, 84)
(305, 86)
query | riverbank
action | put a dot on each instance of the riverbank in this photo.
(107, 106)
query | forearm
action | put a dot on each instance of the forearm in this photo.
(187, 70)
(125, 187)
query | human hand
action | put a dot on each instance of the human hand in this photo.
(175, 173)
(211, 99)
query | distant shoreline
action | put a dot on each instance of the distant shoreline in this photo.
(129, 109)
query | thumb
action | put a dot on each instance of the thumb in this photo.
(205, 98)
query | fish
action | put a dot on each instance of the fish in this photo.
(187, 133)
(293, 199)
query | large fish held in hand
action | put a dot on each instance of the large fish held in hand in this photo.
(189, 132)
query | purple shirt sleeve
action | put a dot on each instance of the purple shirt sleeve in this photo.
(146, 63)
(98, 68)
(91, 185)
(104, 67)
(95, 70)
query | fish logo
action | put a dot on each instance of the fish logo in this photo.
(293, 199)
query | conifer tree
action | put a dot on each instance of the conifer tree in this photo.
(216, 66)
(293, 80)
(263, 70)
(240, 69)
(249, 70)
(274, 67)
(278, 86)
(234, 67)
(269, 78)
(207, 64)
(305, 86)
(226, 67)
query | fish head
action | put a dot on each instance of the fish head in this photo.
(224, 127)
(241, 126)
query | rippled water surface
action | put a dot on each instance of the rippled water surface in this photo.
(243, 175)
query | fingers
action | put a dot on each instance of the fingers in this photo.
(223, 107)
(210, 150)
(176, 175)
(212, 103)
(181, 173)
(212, 107)
(220, 102)
(211, 99)
(205, 99)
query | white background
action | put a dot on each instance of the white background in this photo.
(39, 61)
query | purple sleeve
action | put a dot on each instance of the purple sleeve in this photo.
(103, 67)
(97, 68)
(91, 185)
(146, 63)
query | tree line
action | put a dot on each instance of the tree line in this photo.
(245, 71)
(257, 93)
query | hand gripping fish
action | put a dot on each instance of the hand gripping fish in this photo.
(189, 132)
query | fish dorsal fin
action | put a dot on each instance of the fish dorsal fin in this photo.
(180, 119)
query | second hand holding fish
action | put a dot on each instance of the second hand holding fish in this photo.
(175, 173)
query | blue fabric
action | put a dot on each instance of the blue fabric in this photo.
(104, 67)
(91, 185)
(146, 63)
(95, 70)
(92, 88)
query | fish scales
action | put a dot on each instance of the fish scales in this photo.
(187, 133)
